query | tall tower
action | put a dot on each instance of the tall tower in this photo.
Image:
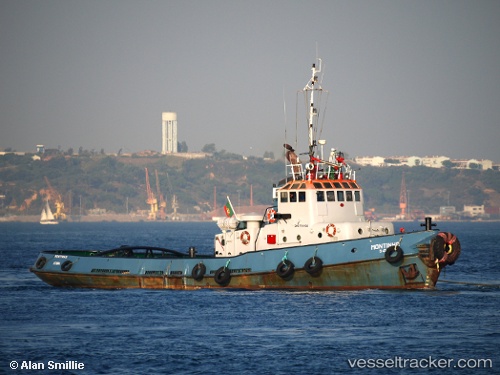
(168, 132)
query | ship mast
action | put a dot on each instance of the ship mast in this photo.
(310, 88)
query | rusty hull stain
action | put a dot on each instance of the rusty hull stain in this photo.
(349, 276)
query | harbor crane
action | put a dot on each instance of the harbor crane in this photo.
(53, 195)
(162, 204)
(151, 199)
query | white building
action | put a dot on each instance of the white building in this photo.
(426, 161)
(168, 132)
(434, 161)
(375, 161)
(474, 210)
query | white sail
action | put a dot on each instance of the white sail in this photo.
(44, 215)
(50, 215)
(47, 217)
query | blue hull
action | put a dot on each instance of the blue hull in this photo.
(354, 264)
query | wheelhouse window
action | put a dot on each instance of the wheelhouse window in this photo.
(348, 195)
(302, 196)
(357, 196)
(293, 196)
(337, 185)
(284, 196)
(320, 196)
(340, 195)
(330, 196)
(345, 185)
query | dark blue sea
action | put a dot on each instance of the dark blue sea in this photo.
(452, 329)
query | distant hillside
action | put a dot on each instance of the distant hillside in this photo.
(429, 188)
(117, 184)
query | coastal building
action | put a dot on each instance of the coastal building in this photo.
(426, 161)
(474, 210)
(168, 132)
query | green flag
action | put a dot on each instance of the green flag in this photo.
(228, 208)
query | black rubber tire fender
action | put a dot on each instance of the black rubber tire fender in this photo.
(285, 269)
(198, 271)
(313, 266)
(222, 276)
(40, 263)
(66, 266)
(394, 254)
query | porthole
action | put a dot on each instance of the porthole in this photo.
(320, 235)
(360, 231)
(353, 250)
(284, 239)
(299, 237)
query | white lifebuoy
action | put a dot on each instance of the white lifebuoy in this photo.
(271, 215)
(331, 230)
(245, 237)
(309, 166)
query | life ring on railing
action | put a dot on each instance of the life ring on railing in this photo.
(271, 215)
(285, 269)
(309, 166)
(198, 271)
(222, 276)
(394, 254)
(313, 266)
(40, 263)
(66, 266)
(245, 237)
(331, 230)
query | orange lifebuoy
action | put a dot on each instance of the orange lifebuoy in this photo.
(331, 230)
(245, 237)
(270, 215)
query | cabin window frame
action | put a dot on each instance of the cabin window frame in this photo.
(320, 196)
(340, 196)
(284, 197)
(357, 196)
(349, 196)
(302, 196)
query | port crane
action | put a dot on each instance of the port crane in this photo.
(53, 195)
(162, 204)
(151, 199)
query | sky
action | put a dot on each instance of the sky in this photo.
(414, 78)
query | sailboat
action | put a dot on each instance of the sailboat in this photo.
(47, 217)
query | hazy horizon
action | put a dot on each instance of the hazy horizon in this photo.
(404, 77)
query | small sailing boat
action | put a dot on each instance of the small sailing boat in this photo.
(47, 216)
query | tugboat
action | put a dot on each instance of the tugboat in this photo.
(313, 236)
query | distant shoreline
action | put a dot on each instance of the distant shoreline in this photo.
(99, 218)
(124, 218)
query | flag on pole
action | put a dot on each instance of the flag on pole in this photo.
(228, 208)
